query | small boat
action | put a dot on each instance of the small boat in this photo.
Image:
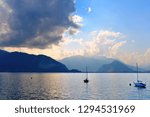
(86, 80)
(139, 83)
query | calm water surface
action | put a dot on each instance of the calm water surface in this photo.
(70, 86)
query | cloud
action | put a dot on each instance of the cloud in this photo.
(103, 43)
(35, 23)
(146, 57)
(142, 58)
(73, 31)
(114, 49)
(4, 13)
(100, 43)
(77, 20)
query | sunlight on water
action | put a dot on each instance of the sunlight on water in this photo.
(71, 86)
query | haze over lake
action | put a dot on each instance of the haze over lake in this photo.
(64, 86)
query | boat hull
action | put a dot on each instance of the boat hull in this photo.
(86, 81)
(139, 84)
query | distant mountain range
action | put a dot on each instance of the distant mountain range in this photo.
(80, 62)
(146, 67)
(99, 64)
(114, 67)
(22, 62)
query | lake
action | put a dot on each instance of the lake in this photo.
(70, 86)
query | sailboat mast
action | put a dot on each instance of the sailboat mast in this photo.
(137, 70)
(86, 73)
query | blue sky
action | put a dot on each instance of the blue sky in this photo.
(130, 17)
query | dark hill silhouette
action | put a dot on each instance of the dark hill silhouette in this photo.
(115, 67)
(23, 62)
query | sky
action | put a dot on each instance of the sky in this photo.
(62, 28)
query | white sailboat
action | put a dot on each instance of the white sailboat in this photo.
(86, 80)
(139, 83)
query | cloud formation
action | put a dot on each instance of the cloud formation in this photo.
(102, 43)
(142, 58)
(34, 23)
(78, 21)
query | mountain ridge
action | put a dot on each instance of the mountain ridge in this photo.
(23, 62)
(80, 62)
(115, 67)
(95, 63)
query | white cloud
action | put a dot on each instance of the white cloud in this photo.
(107, 33)
(77, 20)
(135, 57)
(114, 49)
(103, 42)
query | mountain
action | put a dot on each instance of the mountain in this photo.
(3, 52)
(146, 67)
(80, 62)
(23, 62)
(140, 69)
(115, 67)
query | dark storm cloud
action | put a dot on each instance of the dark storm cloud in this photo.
(37, 23)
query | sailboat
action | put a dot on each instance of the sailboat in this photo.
(86, 80)
(139, 83)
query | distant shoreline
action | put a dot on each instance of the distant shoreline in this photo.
(71, 72)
